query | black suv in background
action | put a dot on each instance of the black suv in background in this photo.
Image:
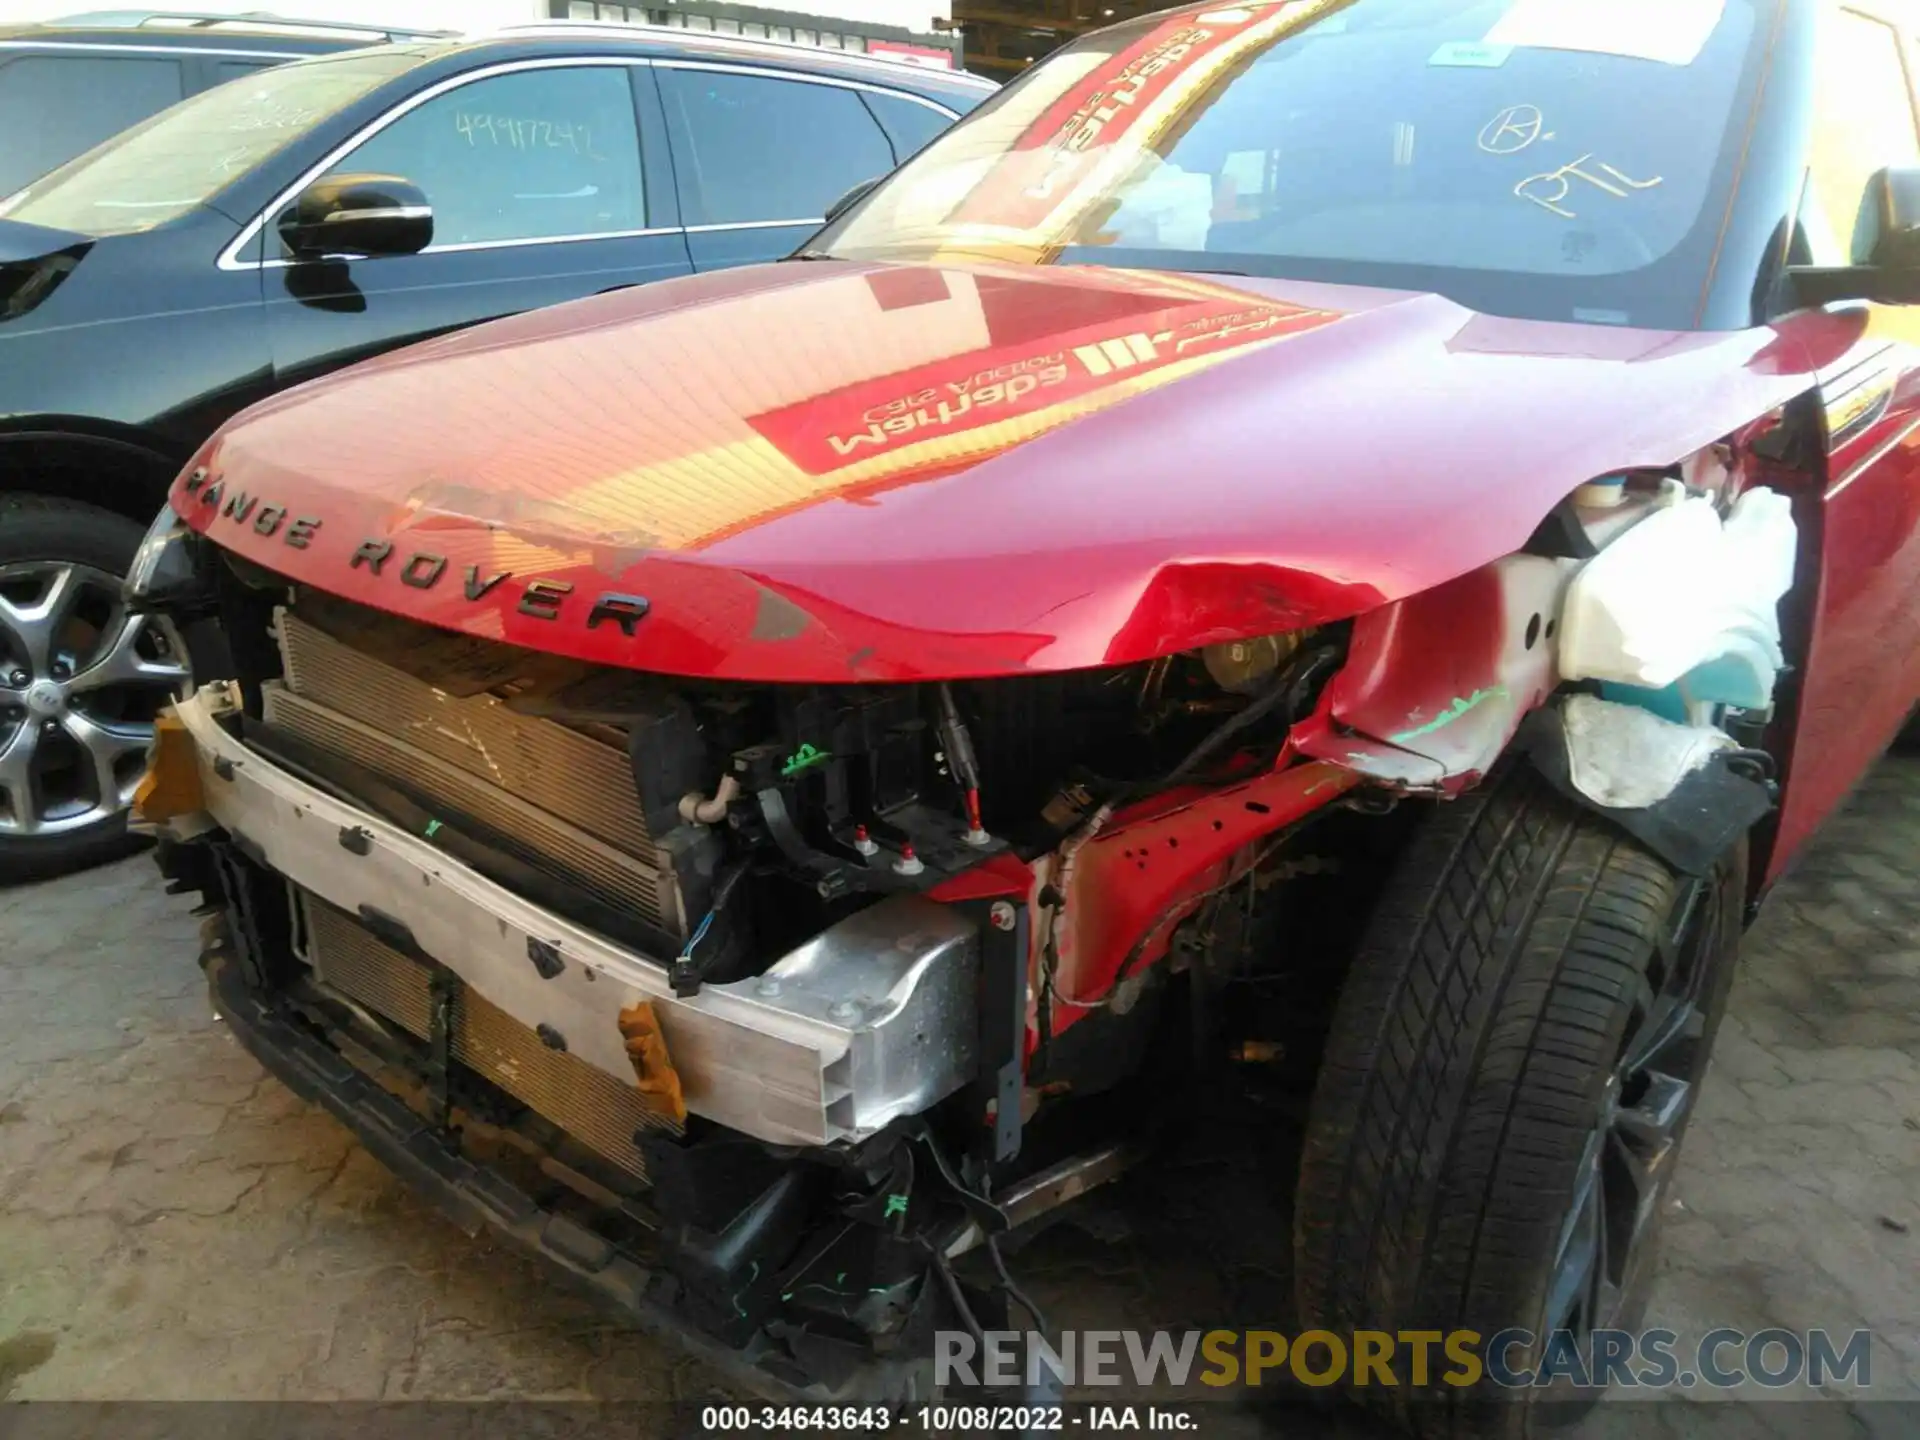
(267, 231)
(66, 85)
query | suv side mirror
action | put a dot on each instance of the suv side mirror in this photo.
(358, 215)
(1889, 226)
(852, 198)
(1888, 235)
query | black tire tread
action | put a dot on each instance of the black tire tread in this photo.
(1483, 1009)
(23, 502)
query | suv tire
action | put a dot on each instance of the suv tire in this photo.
(71, 700)
(1510, 1071)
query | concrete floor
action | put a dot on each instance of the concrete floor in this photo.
(173, 1225)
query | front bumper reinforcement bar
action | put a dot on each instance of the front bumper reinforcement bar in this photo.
(478, 1199)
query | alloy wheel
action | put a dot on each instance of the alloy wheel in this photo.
(1606, 1243)
(82, 680)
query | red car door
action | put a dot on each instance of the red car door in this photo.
(1863, 673)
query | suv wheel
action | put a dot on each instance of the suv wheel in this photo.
(1511, 1068)
(81, 682)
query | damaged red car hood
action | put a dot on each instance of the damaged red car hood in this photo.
(833, 471)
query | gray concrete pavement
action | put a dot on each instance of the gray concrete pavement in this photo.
(175, 1225)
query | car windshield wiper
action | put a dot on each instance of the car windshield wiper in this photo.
(811, 255)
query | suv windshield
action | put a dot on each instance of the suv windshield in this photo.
(175, 161)
(1554, 159)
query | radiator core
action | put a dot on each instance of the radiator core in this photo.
(564, 794)
(586, 1102)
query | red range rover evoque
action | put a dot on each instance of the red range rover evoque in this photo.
(1335, 546)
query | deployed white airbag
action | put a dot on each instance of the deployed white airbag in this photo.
(1686, 599)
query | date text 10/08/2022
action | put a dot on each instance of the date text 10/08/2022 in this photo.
(946, 1419)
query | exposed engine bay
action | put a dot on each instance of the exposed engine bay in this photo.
(725, 823)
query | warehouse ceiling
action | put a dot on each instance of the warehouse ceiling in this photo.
(1005, 36)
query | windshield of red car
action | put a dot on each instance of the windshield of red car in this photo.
(1560, 148)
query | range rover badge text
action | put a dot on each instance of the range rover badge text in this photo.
(541, 598)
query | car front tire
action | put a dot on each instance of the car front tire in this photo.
(1510, 1072)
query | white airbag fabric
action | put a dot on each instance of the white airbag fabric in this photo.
(1683, 594)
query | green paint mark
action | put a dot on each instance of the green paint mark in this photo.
(1461, 707)
(805, 758)
(896, 1205)
(752, 1275)
(843, 1294)
(433, 828)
